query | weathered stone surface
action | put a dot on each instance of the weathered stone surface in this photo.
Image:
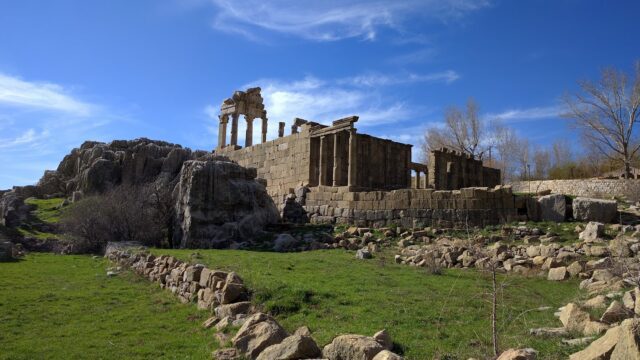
(284, 242)
(220, 202)
(352, 347)
(553, 208)
(592, 232)
(549, 332)
(597, 302)
(628, 345)
(387, 355)
(233, 289)
(258, 333)
(573, 318)
(13, 210)
(614, 313)
(6, 250)
(637, 296)
(558, 274)
(384, 339)
(243, 307)
(518, 354)
(292, 348)
(589, 209)
(601, 348)
(225, 354)
(363, 254)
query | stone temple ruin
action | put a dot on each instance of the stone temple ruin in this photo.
(334, 174)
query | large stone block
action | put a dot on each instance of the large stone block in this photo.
(588, 209)
(553, 207)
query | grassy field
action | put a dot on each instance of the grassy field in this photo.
(429, 316)
(64, 307)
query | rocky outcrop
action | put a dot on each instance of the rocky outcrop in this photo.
(220, 202)
(13, 210)
(96, 167)
(618, 343)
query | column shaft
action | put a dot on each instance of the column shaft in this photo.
(248, 139)
(234, 129)
(222, 132)
(264, 129)
(337, 160)
(323, 161)
(353, 158)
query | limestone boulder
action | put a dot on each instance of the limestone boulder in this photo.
(588, 209)
(558, 274)
(363, 254)
(6, 250)
(384, 339)
(553, 207)
(352, 347)
(219, 202)
(285, 242)
(258, 333)
(574, 318)
(292, 348)
(518, 354)
(601, 348)
(223, 311)
(615, 312)
(628, 345)
(13, 210)
(387, 355)
(592, 232)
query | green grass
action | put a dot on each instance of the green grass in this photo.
(64, 307)
(428, 316)
(46, 210)
(45, 214)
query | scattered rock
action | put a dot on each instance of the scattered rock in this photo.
(292, 348)
(558, 274)
(363, 254)
(573, 318)
(387, 355)
(243, 307)
(384, 339)
(592, 232)
(352, 347)
(549, 332)
(601, 348)
(258, 333)
(615, 312)
(518, 354)
(226, 354)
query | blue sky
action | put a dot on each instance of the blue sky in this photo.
(72, 70)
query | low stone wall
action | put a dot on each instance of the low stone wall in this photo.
(628, 189)
(411, 208)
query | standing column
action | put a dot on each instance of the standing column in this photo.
(248, 139)
(264, 129)
(234, 129)
(353, 158)
(222, 131)
(281, 126)
(337, 160)
(323, 161)
(418, 179)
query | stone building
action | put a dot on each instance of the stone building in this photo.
(336, 159)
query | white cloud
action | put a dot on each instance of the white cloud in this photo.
(330, 20)
(528, 114)
(375, 79)
(40, 95)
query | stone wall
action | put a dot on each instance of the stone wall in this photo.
(411, 207)
(283, 162)
(628, 189)
(450, 170)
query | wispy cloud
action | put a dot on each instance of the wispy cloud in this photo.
(528, 114)
(332, 20)
(375, 79)
(40, 123)
(40, 95)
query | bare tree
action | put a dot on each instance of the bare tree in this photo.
(463, 131)
(606, 112)
(541, 162)
(506, 144)
(561, 153)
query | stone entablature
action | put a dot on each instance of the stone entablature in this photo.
(248, 103)
(478, 206)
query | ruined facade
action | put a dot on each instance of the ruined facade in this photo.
(336, 159)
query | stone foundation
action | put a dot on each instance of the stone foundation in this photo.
(411, 207)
